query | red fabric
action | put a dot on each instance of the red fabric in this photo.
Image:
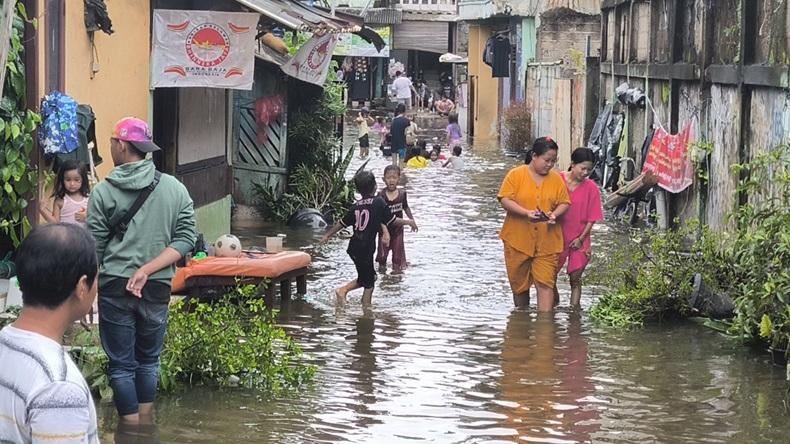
(668, 159)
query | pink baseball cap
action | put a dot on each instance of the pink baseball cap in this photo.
(136, 132)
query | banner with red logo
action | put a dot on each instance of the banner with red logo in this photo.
(311, 62)
(203, 48)
(668, 158)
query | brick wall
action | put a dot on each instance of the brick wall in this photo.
(563, 34)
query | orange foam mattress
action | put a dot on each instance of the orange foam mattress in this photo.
(248, 265)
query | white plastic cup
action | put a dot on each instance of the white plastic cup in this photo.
(274, 244)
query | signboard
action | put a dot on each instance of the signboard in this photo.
(311, 62)
(668, 159)
(355, 46)
(203, 48)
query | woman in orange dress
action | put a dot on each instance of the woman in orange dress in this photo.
(534, 196)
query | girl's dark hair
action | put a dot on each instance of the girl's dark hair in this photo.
(452, 118)
(457, 150)
(421, 144)
(437, 148)
(580, 155)
(365, 183)
(541, 146)
(60, 182)
(391, 168)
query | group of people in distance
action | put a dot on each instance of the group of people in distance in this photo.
(399, 139)
(403, 91)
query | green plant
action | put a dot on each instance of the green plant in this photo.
(518, 126)
(326, 190)
(232, 340)
(651, 278)
(9, 315)
(85, 349)
(17, 124)
(761, 249)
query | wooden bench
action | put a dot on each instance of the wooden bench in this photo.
(211, 278)
(205, 288)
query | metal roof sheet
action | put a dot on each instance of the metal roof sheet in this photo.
(301, 17)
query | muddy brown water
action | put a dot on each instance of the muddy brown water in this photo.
(443, 357)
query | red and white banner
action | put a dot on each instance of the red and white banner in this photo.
(668, 158)
(311, 62)
(203, 48)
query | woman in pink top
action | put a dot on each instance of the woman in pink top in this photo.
(578, 221)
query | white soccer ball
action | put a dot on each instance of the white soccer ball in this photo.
(227, 245)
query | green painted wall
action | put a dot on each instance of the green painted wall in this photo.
(213, 220)
(529, 40)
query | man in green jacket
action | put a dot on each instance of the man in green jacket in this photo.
(137, 265)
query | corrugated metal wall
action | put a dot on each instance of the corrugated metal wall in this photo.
(422, 36)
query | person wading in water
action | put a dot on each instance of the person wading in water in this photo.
(534, 196)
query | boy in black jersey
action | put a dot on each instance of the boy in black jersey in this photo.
(369, 216)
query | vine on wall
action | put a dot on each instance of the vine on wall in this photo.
(17, 124)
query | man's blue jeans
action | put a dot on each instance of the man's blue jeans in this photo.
(132, 334)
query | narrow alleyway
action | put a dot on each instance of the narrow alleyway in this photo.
(443, 358)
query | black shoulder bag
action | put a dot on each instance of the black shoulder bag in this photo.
(120, 228)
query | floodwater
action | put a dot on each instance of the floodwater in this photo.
(442, 356)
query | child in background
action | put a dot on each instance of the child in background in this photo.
(369, 216)
(454, 134)
(398, 204)
(438, 150)
(363, 120)
(71, 195)
(381, 127)
(386, 147)
(435, 161)
(455, 161)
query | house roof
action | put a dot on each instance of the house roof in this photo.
(301, 17)
(429, 16)
(377, 16)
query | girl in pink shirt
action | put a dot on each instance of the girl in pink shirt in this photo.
(71, 194)
(578, 221)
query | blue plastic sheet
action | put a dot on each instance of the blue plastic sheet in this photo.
(58, 133)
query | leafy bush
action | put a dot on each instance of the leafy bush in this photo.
(210, 344)
(518, 127)
(86, 351)
(234, 339)
(651, 278)
(760, 250)
(17, 125)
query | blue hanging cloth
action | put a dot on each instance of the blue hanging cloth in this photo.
(58, 133)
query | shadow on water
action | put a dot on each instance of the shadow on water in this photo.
(442, 356)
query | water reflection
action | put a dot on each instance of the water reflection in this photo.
(443, 358)
(545, 378)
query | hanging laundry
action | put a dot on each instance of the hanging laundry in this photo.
(501, 60)
(488, 52)
(668, 159)
(58, 133)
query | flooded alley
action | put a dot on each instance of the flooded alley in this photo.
(442, 357)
